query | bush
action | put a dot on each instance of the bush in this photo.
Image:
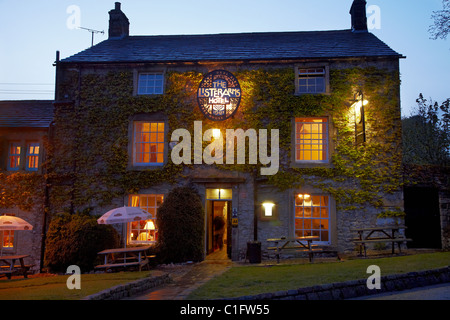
(180, 225)
(76, 240)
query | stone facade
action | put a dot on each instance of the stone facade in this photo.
(98, 103)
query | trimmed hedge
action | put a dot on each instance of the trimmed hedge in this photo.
(180, 225)
(76, 240)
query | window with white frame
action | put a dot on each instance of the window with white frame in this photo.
(7, 238)
(148, 143)
(145, 231)
(311, 140)
(312, 216)
(311, 80)
(14, 153)
(150, 83)
(32, 160)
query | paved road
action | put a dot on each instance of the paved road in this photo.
(437, 292)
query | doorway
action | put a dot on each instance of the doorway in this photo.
(218, 235)
(422, 217)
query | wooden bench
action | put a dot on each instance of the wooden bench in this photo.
(7, 273)
(388, 234)
(140, 265)
(399, 241)
(297, 245)
(17, 270)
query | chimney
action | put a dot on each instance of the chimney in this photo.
(119, 26)
(359, 16)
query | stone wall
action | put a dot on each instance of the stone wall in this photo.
(358, 288)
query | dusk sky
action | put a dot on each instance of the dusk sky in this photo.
(32, 32)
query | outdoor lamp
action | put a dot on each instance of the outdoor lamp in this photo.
(268, 211)
(360, 122)
(216, 133)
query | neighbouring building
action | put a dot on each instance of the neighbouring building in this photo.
(24, 130)
(281, 133)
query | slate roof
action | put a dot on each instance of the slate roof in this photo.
(26, 114)
(237, 46)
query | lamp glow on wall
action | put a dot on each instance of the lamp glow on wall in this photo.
(360, 121)
(268, 209)
(216, 133)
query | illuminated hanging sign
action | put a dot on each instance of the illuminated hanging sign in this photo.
(219, 95)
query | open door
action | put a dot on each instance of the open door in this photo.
(218, 235)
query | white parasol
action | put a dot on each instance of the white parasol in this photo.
(124, 215)
(12, 223)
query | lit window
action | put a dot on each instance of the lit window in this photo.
(7, 239)
(145, 231)
(311, 139)
(32, 156)
(311, 80)
(148, 143)
(150, 83)
(14, 156)
(312, 216)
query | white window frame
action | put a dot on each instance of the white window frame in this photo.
(311, 71)
(137, 142)
(150, 83)
(314, 210)
(137, 200)
(324, 141)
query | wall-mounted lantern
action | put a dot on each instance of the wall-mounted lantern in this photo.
(268, 210)
(216, 133)
(360, 120)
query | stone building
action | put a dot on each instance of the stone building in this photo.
(136, 116)
(24, 129)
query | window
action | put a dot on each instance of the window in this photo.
(311, 80)
(312, 216)
(148, 143)
(311, 139)
(14, 151)
(150, 83)
(32, 162)
(7, 239)
(145, 231)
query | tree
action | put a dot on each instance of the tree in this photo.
(180, 223)
(426, 134)
(441, 26)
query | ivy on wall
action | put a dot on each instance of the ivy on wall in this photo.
(22, 190)
(91, 144)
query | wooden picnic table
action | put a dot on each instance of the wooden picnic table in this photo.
(10, 268)
(125, 258)
(297, 243)
(379, 234)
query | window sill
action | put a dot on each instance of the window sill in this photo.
(137, 167)
(311, 164)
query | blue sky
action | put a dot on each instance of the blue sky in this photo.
(32, 32)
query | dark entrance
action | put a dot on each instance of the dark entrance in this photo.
(218, 228)
(422, 217)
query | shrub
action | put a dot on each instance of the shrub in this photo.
(76, 240)
(180, 225)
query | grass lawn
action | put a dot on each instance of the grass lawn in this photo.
(252, 280)
(55, 288)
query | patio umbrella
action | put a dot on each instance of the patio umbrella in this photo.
(11, 223)
(124, 215)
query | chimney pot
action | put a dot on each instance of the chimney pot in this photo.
(359, 16)
(119, 26)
